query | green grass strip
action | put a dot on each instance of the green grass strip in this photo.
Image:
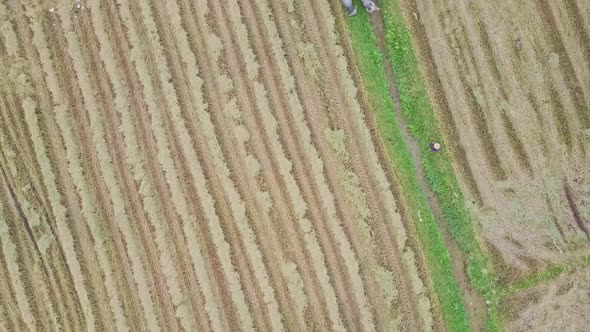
(370, 61)
(549, 274)
(424, 127)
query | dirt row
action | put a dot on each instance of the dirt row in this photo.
(181, 175)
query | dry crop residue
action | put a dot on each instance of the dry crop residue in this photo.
(512, 90)
(195, 165)
(563, 302)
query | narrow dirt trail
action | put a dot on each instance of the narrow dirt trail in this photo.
(474, 301)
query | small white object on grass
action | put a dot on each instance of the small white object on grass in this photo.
(51, 10)
(435, 146)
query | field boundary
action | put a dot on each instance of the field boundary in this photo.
(371, 64)
(419, 112)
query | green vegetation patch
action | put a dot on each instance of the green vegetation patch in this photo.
(370, 61)
(424, 127)
(549, 274)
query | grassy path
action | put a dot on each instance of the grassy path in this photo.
(420, 119)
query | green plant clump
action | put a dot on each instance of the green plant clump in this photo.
(370, 61)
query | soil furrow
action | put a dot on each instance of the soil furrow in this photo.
(283, 110)
(551, 32)
(126, 241)
(213, 91)
(574, 208)
(516, 143)
(310, 97)
(216, 249)
(161, 257)
(227, 203)
(563, 127)
(34, 41)
(70, 68)
(167, 156)
(252, 98)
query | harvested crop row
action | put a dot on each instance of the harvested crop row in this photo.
(10, 314)
(371, 174)
(137, 276)
(9, 251)
(32, 282)
(50, 255)
(461, 47)
(298, 53)
(26, 261)
(494, 63)
(264, 122)
(35, 43)
(188, 156)
(220, 170)
(318, 125)
(153, 192)
(166, 163)
(302, 130)
(567, 51)
(79, 130)
(284, 105)
(214, 166)
(28, 183)
(223, 251)
(520, 68)
(105, 160)
(222, 105)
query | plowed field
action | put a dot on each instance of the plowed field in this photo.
(511, 82)
(211, 165)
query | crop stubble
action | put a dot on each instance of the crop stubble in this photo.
(508, 94)
(181, 165)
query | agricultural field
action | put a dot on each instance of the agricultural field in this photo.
(508, 82)
(263, 165)
(513, 81)
(197, 165)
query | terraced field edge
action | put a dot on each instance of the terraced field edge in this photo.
(370, 61)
